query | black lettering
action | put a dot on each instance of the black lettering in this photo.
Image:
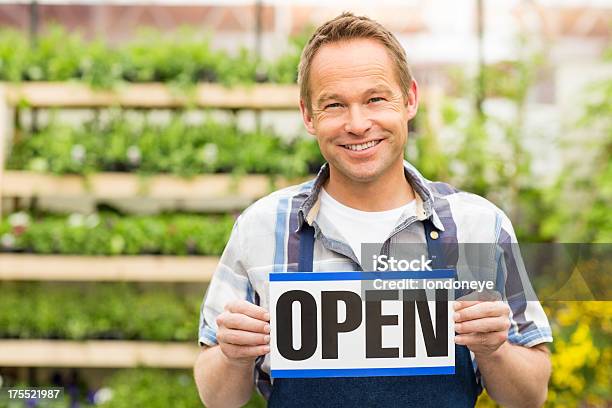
(435, 343)
(329, 319)
(374, 322)
(284, 325)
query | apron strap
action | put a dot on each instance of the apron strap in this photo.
(434, 245)
(306, 248)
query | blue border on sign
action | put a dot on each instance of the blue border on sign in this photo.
(361, 372)
(340, 276)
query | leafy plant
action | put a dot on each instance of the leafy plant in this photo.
(181, 58)
(152, 388)
(110, 234)
(178, 148)
(37, 310)
(284, 69)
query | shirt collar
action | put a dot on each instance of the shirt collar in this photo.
(424, 197)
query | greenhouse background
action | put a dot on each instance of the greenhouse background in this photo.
(134, 132)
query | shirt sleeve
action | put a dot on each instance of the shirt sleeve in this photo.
(528, 323)
(229, 282)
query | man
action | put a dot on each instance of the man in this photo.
(356, 97)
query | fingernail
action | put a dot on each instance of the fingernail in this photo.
(267, 349)
(457, 339)
(267, 339)
(457, 326)
(456, 305)
(456, 316)
(266, 316)
(267, 328)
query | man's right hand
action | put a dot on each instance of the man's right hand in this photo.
(243, 332)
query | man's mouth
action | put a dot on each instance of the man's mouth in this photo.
(362, 146)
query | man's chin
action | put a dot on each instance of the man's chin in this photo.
(362, 174)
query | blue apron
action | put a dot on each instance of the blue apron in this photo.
(458, 390)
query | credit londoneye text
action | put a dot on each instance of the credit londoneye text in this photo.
(447, 284)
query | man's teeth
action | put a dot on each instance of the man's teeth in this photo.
(362, 146)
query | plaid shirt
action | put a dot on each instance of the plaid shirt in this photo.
(265, 239)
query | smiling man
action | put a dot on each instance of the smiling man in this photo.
(357, 97)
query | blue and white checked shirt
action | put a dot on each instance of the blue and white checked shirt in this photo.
(265, 239)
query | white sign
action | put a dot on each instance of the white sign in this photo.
(352, 324)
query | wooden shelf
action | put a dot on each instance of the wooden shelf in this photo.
(107, 268)
(153, 95)
(99, 354)
(125, 185)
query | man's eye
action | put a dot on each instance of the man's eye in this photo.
(333, 105)
(376, 99)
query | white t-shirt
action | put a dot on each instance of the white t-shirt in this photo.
(358, 226)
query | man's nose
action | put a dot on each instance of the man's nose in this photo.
(358, 121)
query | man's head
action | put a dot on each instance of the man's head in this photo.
(357, 96)
(347, 27)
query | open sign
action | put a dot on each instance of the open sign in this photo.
(337, 324)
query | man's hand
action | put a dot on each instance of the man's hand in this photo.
(482, 325)
(243, 332)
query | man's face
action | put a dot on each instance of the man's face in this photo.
(359, 114)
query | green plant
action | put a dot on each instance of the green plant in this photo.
(110, 234)
(238, 69)
(97, 311)
(14, 53)
(177, 147)
(284, 69)
(183, 57)
(152, 388)
(180, 58)
(593, 182)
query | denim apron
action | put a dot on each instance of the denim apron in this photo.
(458, 390)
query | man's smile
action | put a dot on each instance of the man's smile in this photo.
(357, 147)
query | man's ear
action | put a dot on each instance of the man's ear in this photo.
(412, 100)
(307, 118)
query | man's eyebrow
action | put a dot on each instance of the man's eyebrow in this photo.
(325, 97)
(377, 89)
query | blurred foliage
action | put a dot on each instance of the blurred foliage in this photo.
(182, 58)
(111, 234)
(152, 388)
(178, 391)
(581, 355)
(285, 69)
(486, 156)
(70, 311)
(123, 144)
(594, 183)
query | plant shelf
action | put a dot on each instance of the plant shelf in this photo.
(96, 354)
(28, 184)
(141, 268)
(153, 95)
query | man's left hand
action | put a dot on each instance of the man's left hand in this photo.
(482, 325)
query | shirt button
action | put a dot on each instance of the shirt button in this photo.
(434, 234)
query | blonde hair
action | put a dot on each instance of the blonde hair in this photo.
(346, 27)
